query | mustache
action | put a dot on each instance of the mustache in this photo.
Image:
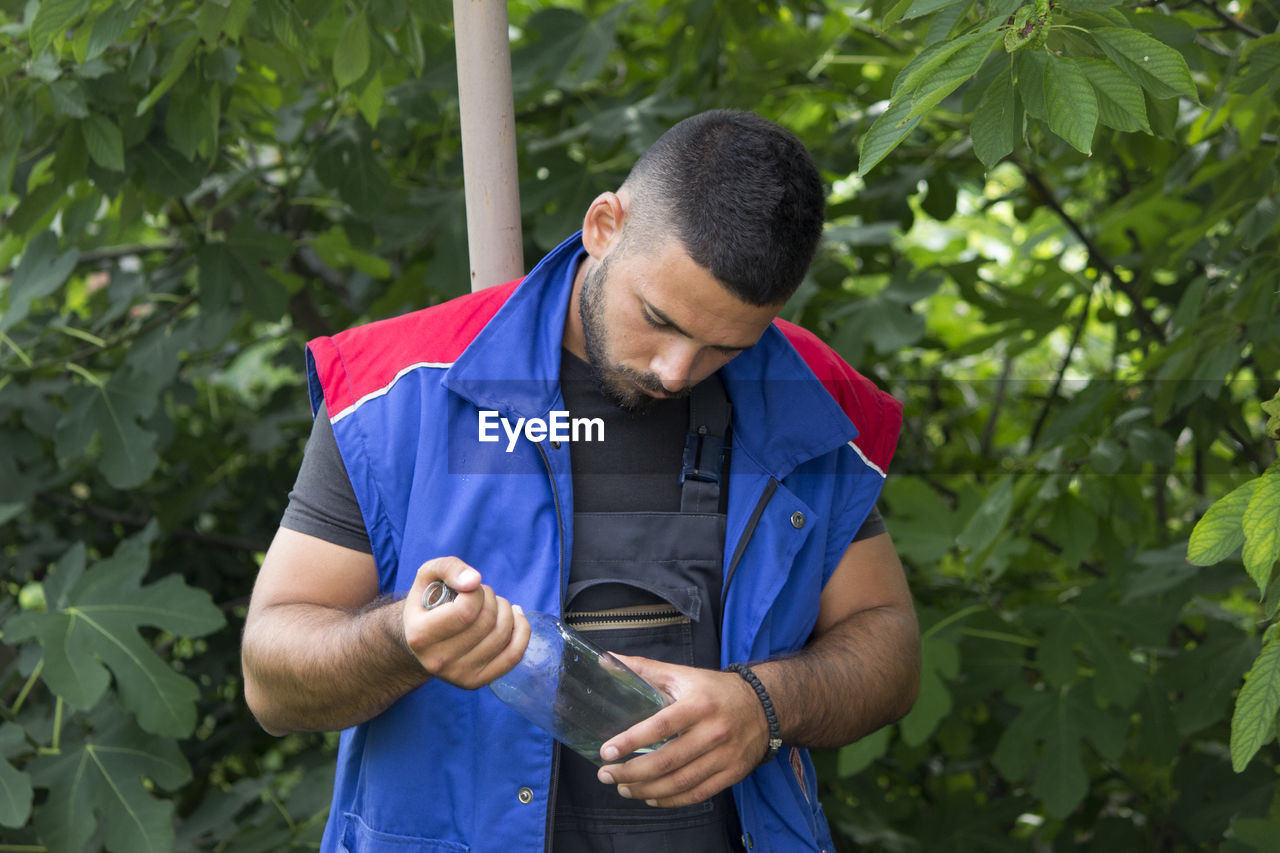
(651, 383)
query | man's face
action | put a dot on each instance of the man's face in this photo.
(655, 323)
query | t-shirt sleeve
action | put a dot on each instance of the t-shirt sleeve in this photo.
(873, 526)
(323, 503)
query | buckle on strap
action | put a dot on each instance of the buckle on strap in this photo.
(702, 459)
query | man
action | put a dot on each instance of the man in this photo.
(718, 535)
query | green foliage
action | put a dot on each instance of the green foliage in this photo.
(1053, 236)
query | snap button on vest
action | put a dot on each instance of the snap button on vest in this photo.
(525, 795)
(797, 519)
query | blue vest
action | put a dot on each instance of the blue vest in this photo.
(446, 769)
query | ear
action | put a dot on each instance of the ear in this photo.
(602, 225)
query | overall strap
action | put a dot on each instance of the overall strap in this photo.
(706, 447)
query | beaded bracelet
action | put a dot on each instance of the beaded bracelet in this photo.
(775, 733)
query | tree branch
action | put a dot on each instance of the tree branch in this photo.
(115, 516)
(1095, 255)
(1229, 21)
(1076, 334)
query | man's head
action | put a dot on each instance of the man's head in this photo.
(740, 193)
(695, 255)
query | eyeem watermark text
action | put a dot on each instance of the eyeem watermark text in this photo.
(558, 427)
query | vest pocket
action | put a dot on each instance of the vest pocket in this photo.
(359, 837)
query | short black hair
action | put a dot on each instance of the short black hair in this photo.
(743, 196)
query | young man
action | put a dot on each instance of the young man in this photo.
(726, 518)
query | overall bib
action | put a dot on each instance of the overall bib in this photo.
(648, 584)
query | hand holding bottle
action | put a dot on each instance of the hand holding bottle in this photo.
(566, 685)
(472, 643)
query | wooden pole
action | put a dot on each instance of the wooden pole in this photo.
(492, 186)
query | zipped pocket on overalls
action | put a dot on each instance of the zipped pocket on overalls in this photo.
(621, 618)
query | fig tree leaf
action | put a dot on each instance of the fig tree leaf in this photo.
(100, 780)
(1219, 532)
(940, 661)
(40, 272)
(94, 635)
(111, 409)
(990, 519)
(15, 785)
(1254, 720)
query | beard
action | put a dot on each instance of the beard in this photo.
(620, 385)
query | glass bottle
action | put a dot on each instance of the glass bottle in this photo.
(569, 687)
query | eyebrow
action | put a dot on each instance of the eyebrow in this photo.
(663, 318)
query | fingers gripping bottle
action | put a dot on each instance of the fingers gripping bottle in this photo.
(567, 686)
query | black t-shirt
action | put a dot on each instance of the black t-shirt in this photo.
(636, 468)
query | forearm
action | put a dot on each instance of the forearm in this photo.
(861, 674)
(308, 667)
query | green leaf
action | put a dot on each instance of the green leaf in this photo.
(165, 171)
(1219, 532)
(113, 410)
(940, 662)
(997, 123)
(104, 141)
(1261, 525)
(920, 8)
(178, 63)
(1061, 782)
(1158, 68)
(1254, 720)
(371, 100)
(53, 18)
(15, 786)
(68, 99)
(1056, 655)
(1121, 103)
(931, 59)
(990, 519)
(947, 77)
(1272, 409)
(100, 780)
(108, 27)
(40, 272)
(97, 630)
(351, 56)
(885, 134)
(1030, 66)
(212, 16)
(1070, 104)
(858, 756)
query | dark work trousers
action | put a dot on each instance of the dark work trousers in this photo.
(649, 583)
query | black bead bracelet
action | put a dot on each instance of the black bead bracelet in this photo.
(771, 716)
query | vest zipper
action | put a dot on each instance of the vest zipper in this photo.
(769, 489)
(549, 832)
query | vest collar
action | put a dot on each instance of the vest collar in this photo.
(513, 367)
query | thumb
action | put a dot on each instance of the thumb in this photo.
(660, 675)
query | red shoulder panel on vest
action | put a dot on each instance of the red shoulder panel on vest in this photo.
(367, 359)
(876, 414)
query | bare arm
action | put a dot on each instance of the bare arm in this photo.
(860, 671)
(321, 652)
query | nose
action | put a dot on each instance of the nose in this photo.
(673, 365)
